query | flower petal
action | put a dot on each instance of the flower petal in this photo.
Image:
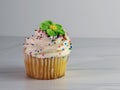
(56, 31)
(51, 32)
(48, 22)
(61, 32)
(58, 26)
(43, 26)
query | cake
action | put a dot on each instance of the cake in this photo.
(47, 51)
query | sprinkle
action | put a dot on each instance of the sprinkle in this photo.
(65, 43)
(70, 47)
(30, 53)
(32, 35)
(35, 30)
(38, 37)
(41, 35)
(40, 49)
(48, 44)
(39, 31)
(27, 37)
(32, 44)
(54, 42)
(63, 49)
(42, 54)
(52, 57)
(62, 39)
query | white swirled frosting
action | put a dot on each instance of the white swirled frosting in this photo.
(42, 46)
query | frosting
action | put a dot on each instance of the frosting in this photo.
(44, 45)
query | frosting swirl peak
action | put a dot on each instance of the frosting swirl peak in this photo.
(46, 44)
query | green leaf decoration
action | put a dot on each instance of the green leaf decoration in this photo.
(48, 22)
(56, 32)
(61, 32)
(43, 26)
(51, 32)
(58, 26)
(51, 28)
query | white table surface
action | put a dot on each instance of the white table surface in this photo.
(94, 64)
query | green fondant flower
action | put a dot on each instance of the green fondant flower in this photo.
(51, 28)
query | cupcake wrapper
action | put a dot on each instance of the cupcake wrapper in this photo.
(45, 68)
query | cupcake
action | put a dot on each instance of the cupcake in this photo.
(47, 51)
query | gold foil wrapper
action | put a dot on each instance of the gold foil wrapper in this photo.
(45, 68)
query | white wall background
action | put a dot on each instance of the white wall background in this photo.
(81, 18)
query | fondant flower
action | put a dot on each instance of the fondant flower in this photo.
(51, 28)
